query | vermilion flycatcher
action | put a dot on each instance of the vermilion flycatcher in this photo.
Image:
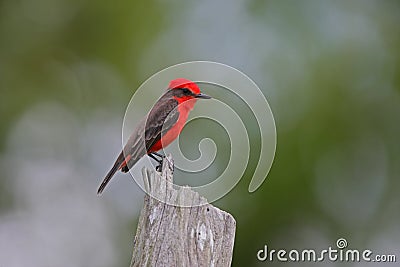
(159, 128)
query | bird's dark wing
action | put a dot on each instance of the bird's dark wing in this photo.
(160, 119)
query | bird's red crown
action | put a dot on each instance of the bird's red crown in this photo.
(184, 83)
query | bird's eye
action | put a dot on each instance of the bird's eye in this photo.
(186, 91)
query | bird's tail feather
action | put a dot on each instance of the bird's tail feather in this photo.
(110, 174)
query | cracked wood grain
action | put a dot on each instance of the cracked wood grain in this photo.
(198, 234)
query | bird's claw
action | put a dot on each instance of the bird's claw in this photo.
(159, 167)
(160, 160)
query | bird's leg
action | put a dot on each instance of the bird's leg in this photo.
(158, 155)
(163, 157)
(153, 156)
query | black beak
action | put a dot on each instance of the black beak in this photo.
(204, 96)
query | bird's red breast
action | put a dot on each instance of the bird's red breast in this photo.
(176, 129)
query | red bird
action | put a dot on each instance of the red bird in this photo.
(159, 128)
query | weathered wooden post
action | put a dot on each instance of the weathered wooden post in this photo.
(170, 235)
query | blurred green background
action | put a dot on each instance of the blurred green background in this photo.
(329, 69)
